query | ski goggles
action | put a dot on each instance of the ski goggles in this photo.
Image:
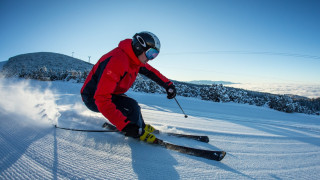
(151, 53)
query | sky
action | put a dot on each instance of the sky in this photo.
(242, 41)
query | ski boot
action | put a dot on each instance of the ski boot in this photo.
(148, 137)
(151, 129)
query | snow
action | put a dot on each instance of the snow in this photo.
(261, 143)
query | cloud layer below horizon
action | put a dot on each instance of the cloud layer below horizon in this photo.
(306, 90)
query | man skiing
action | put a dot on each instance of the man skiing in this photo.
(113, 75)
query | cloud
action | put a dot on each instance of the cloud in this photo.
(307, 90)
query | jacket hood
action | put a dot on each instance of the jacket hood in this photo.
(126, 46)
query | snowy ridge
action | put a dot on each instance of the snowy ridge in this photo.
(46, 66)
(261, 143)
(220, 93)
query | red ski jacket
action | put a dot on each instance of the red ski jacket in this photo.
(114, 73)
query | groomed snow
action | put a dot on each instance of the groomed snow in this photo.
(261, 143)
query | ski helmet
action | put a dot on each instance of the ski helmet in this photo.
(146, 42)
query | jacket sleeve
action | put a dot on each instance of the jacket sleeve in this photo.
(103, 95)
(155, 75)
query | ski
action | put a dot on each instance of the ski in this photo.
(194, 137)
(208, 154)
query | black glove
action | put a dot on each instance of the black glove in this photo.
(132, 130)
(171, 91)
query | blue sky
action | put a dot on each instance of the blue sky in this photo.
(244, 41)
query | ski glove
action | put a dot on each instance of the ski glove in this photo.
(132, 130)
(171, 91)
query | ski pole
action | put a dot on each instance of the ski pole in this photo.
(181, 108)
(85, 130)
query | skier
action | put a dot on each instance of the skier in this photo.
(112, 76)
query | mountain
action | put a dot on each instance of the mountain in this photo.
(209, 82)
(1, 64)
(45, 66)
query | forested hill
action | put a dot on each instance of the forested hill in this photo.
(46, 66)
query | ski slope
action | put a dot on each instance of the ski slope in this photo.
(261, 143)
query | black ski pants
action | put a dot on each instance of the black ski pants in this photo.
(128, 106)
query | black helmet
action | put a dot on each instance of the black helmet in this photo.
(146, 42)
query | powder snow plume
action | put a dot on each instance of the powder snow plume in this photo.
(31, 105)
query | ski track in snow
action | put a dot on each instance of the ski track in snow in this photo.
(260, 143)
